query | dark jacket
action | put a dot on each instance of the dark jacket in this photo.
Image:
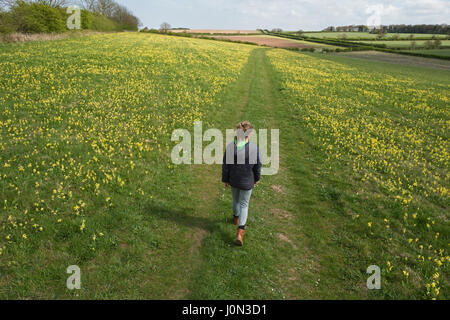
(243, 168)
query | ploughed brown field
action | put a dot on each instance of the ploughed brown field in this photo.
(266, 41)
(217, 31)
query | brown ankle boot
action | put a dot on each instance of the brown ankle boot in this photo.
(240, 237)
(236, 220)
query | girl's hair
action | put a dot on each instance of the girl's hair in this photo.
(244, 126)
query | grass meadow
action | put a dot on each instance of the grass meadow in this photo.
(404, 43)
(366, 35)
(440, 52)
(86, 177)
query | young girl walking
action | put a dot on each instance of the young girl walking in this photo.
(241, 169)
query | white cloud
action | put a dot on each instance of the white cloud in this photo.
(286, 14)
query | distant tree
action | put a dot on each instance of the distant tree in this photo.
(165, 27)
(411, 37)
(343, 36)
(125, 18)
(381, 35)
(429, 44)
(88, 4)
(396, 36)
(50, 3)
(54, 3)
(105, 7)
(7, 3)
(413, 44)
(277, 30)
(437, 43)
(300, 32)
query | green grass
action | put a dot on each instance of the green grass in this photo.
(100, 111)
(404, 43)
(353, 177)
(104, 107)
(366, 35)
(439, 52)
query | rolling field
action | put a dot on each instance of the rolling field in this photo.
(399, 59)
(440, 52)
(356, 35)
(216, 31)
(275, 42)
(403, 44)
(86, 177)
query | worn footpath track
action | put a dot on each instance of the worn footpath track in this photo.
(267, 267)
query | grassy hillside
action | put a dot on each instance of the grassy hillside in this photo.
(367, 35)
(379, 144)
(87, 180)
(85, 138)
(404, 44)
(440, 52)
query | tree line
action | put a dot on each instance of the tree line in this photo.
(418, 28)
(394, 28)
(44, 16)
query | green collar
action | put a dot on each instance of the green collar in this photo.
(240, 145)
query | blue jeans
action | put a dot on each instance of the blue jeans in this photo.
(241, 200)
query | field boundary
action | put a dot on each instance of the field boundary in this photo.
(355, 46)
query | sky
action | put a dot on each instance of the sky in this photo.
(286, 14)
